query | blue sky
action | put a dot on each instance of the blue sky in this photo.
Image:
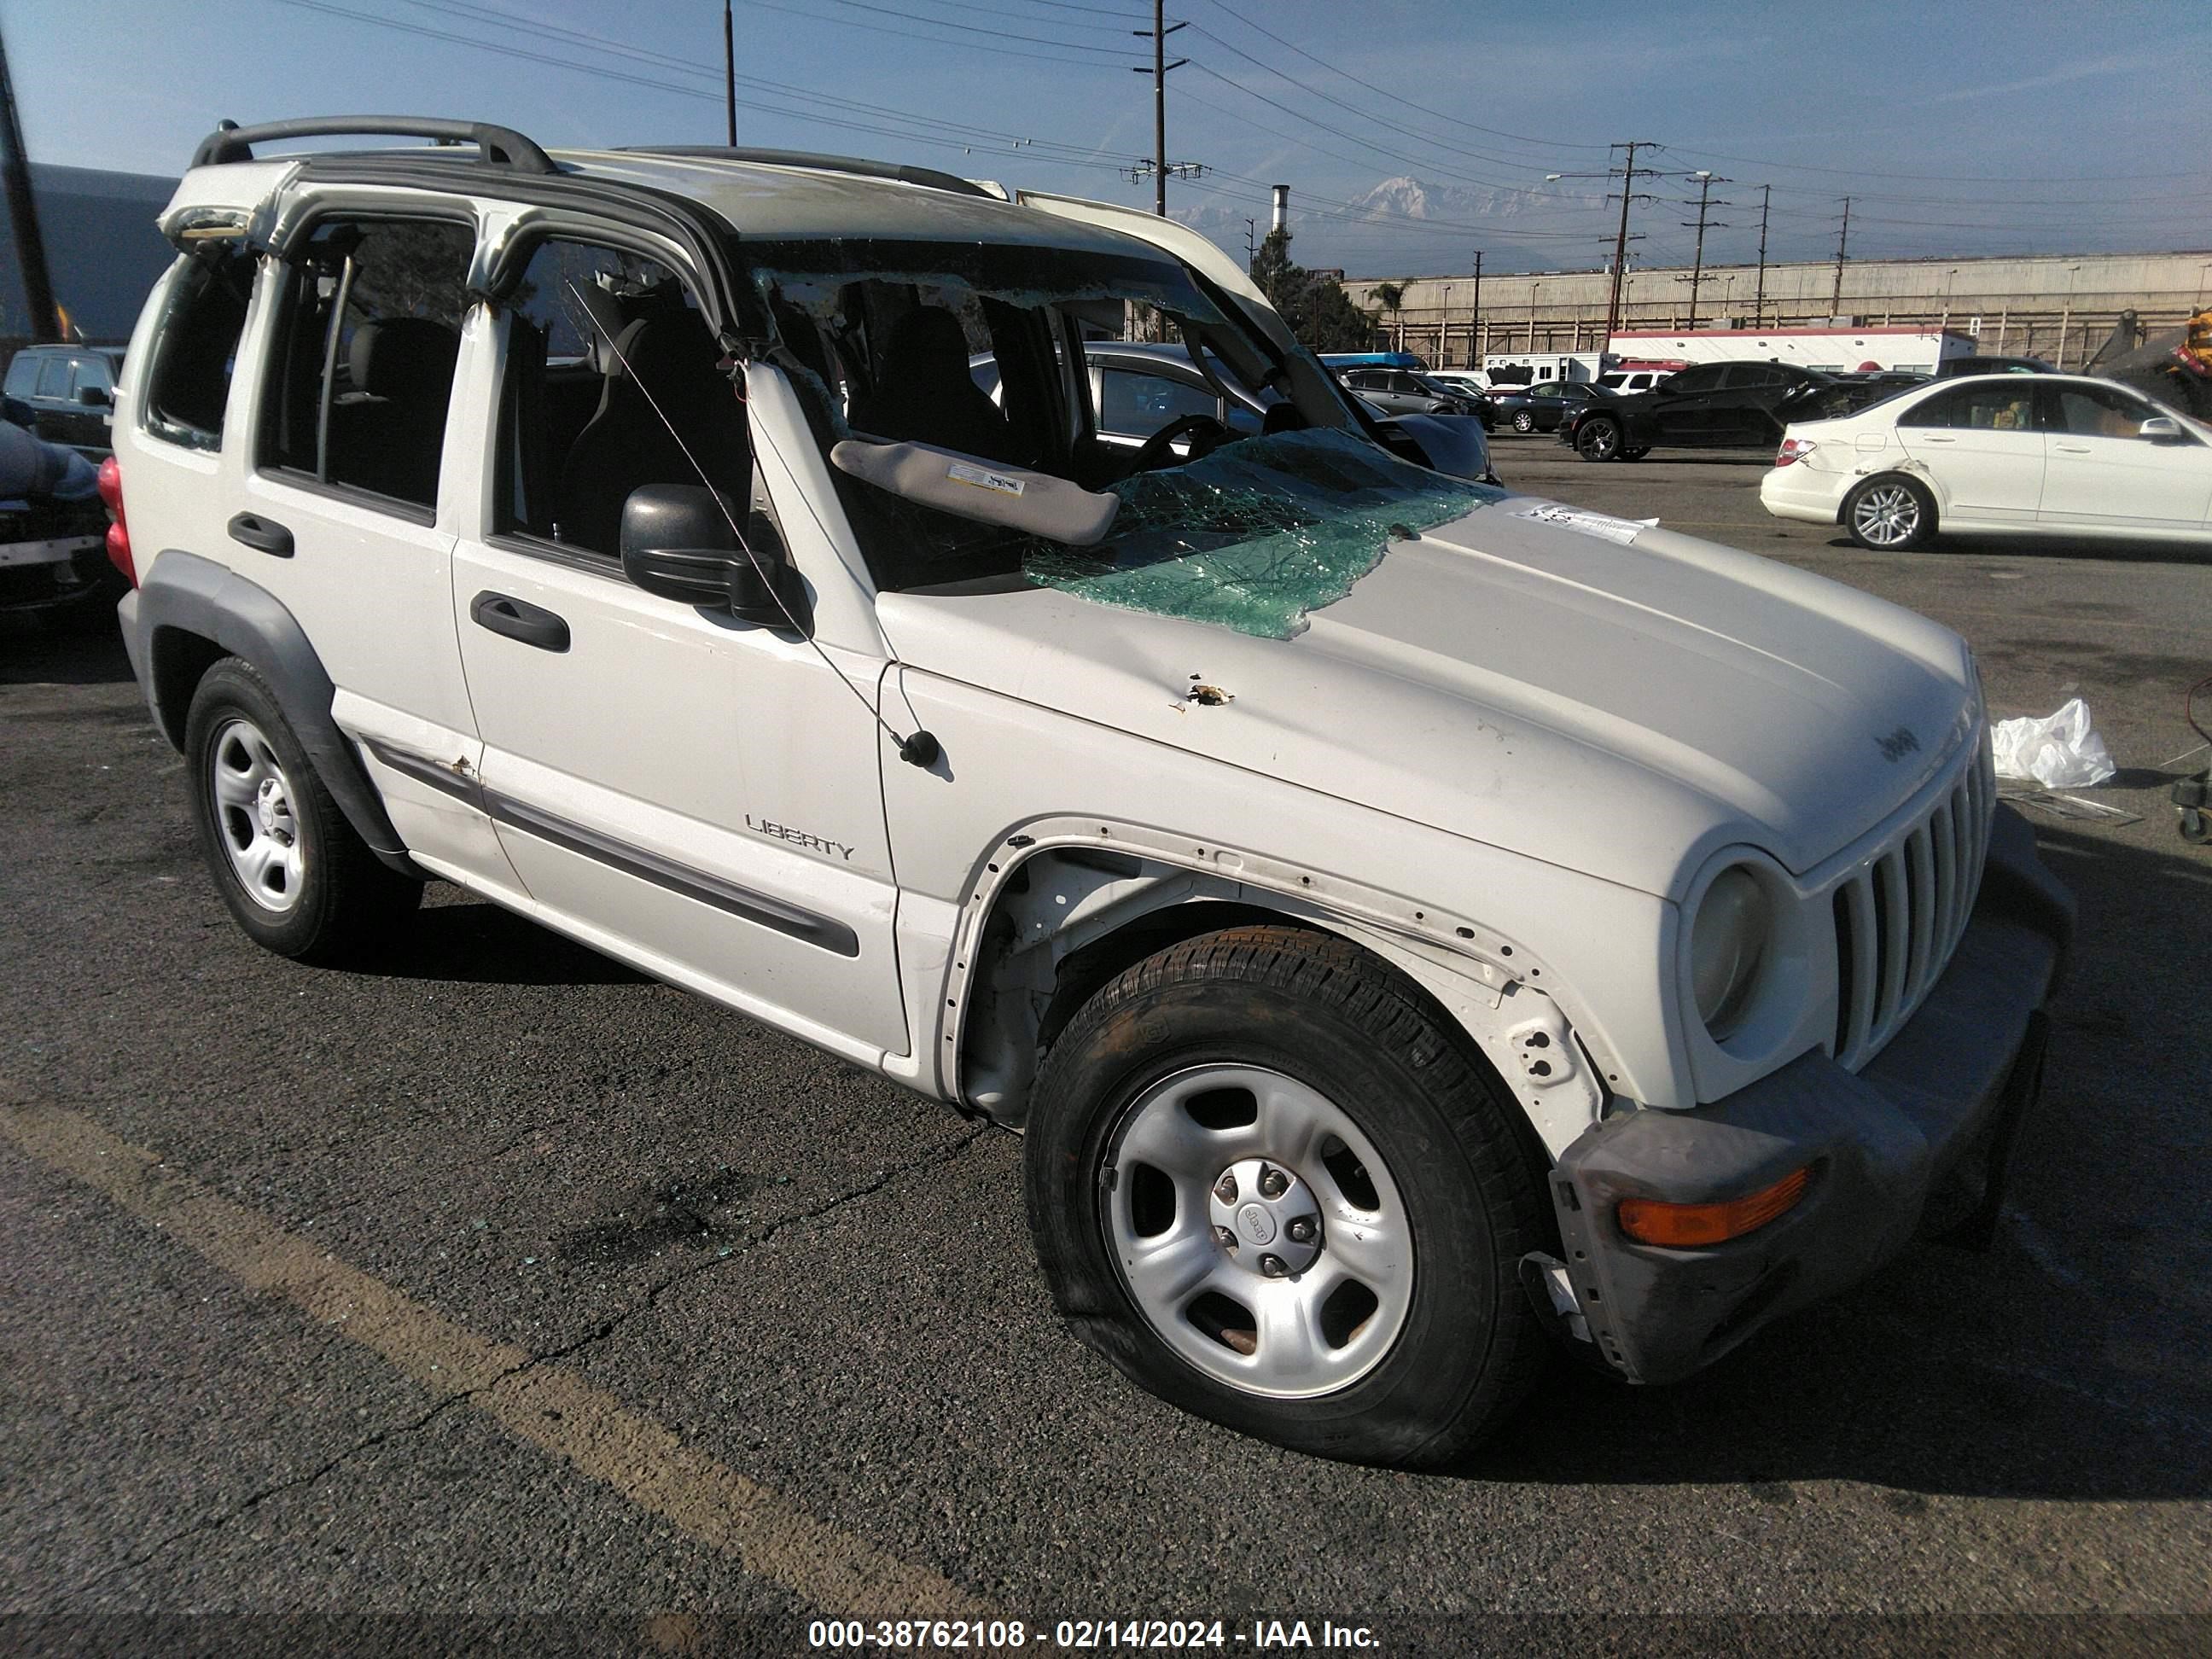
(1410, 134)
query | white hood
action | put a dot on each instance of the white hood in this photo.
(1621, 710)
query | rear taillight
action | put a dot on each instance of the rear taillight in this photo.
(118, 534)
(1794, 449)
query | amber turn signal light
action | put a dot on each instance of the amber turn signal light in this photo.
(1651, 1221)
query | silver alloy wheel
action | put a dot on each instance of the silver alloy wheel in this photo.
(1887, 515)
(1524, 421)
(1259, 1233)
(255, 816)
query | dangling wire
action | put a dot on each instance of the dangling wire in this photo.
(918, 749)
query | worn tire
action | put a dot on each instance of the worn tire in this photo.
(1898, 515)
(348, 903)
(1326, 1013)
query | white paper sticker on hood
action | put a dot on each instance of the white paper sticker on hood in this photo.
(1601, 525)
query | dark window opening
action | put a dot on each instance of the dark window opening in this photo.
(197, 348)
(614, 382)
(362, 370)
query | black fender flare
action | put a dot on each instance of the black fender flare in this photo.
(187, 598)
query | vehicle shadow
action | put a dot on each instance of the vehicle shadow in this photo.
(57, 651)
(1762, 459)
(469, 941)
(2073, 1360)
(2108, 551)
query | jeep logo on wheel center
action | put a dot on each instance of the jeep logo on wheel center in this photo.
(1255, 1224)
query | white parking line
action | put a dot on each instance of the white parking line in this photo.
(543, 1403)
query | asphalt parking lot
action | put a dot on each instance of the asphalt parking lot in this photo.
(498, 1281)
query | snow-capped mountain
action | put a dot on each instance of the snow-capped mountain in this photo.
(1407, 197)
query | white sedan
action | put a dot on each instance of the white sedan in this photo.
(2020, 455)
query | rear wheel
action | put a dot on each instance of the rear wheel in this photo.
(288, 864)
(1268, 1186)
(1524, 421)
(1890, 515)
(1598, 439)
(1636, 455)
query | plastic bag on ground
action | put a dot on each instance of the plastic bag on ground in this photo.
(2059, 752)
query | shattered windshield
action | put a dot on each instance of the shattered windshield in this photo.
(1256, 534)
(883, 338)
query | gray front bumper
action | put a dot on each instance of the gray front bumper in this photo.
(1934, 1110)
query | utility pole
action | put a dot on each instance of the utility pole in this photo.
(1474, 316)
(1627, 172)
(1705, 183)
(1160, 30)
(730, 72)
(1758, 305)
(23, 214)
(1843, 245)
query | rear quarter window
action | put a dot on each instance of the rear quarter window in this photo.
(196, 348)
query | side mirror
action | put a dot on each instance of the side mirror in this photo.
(677, 543)
(2162, 429)
(16, 412)
(95, 397)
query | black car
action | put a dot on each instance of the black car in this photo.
(70, 390)
(1542, 407)
(1706, 406)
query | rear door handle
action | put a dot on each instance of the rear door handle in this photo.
(2072, 449)
(263, 535)
(519, 620)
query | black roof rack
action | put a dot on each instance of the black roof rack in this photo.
(897, 171)
(501, 146)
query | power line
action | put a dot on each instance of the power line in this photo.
(939, 40)
(1395, 98)
(1367, 116)
(998, 143)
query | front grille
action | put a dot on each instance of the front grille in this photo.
(1899, 913)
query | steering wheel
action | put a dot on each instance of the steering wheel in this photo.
(1205, 433)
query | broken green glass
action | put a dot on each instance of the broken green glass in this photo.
(1258, 534)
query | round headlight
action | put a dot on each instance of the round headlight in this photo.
(1728, 946)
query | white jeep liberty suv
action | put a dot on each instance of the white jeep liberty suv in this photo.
(1412, 923)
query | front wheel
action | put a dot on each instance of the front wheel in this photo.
(1599, 440)
(1890, 515)
(1268, 1185)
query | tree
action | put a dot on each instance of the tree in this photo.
(1317, 308)
(1391, 296)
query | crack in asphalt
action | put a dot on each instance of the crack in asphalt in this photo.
(605, 1328)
